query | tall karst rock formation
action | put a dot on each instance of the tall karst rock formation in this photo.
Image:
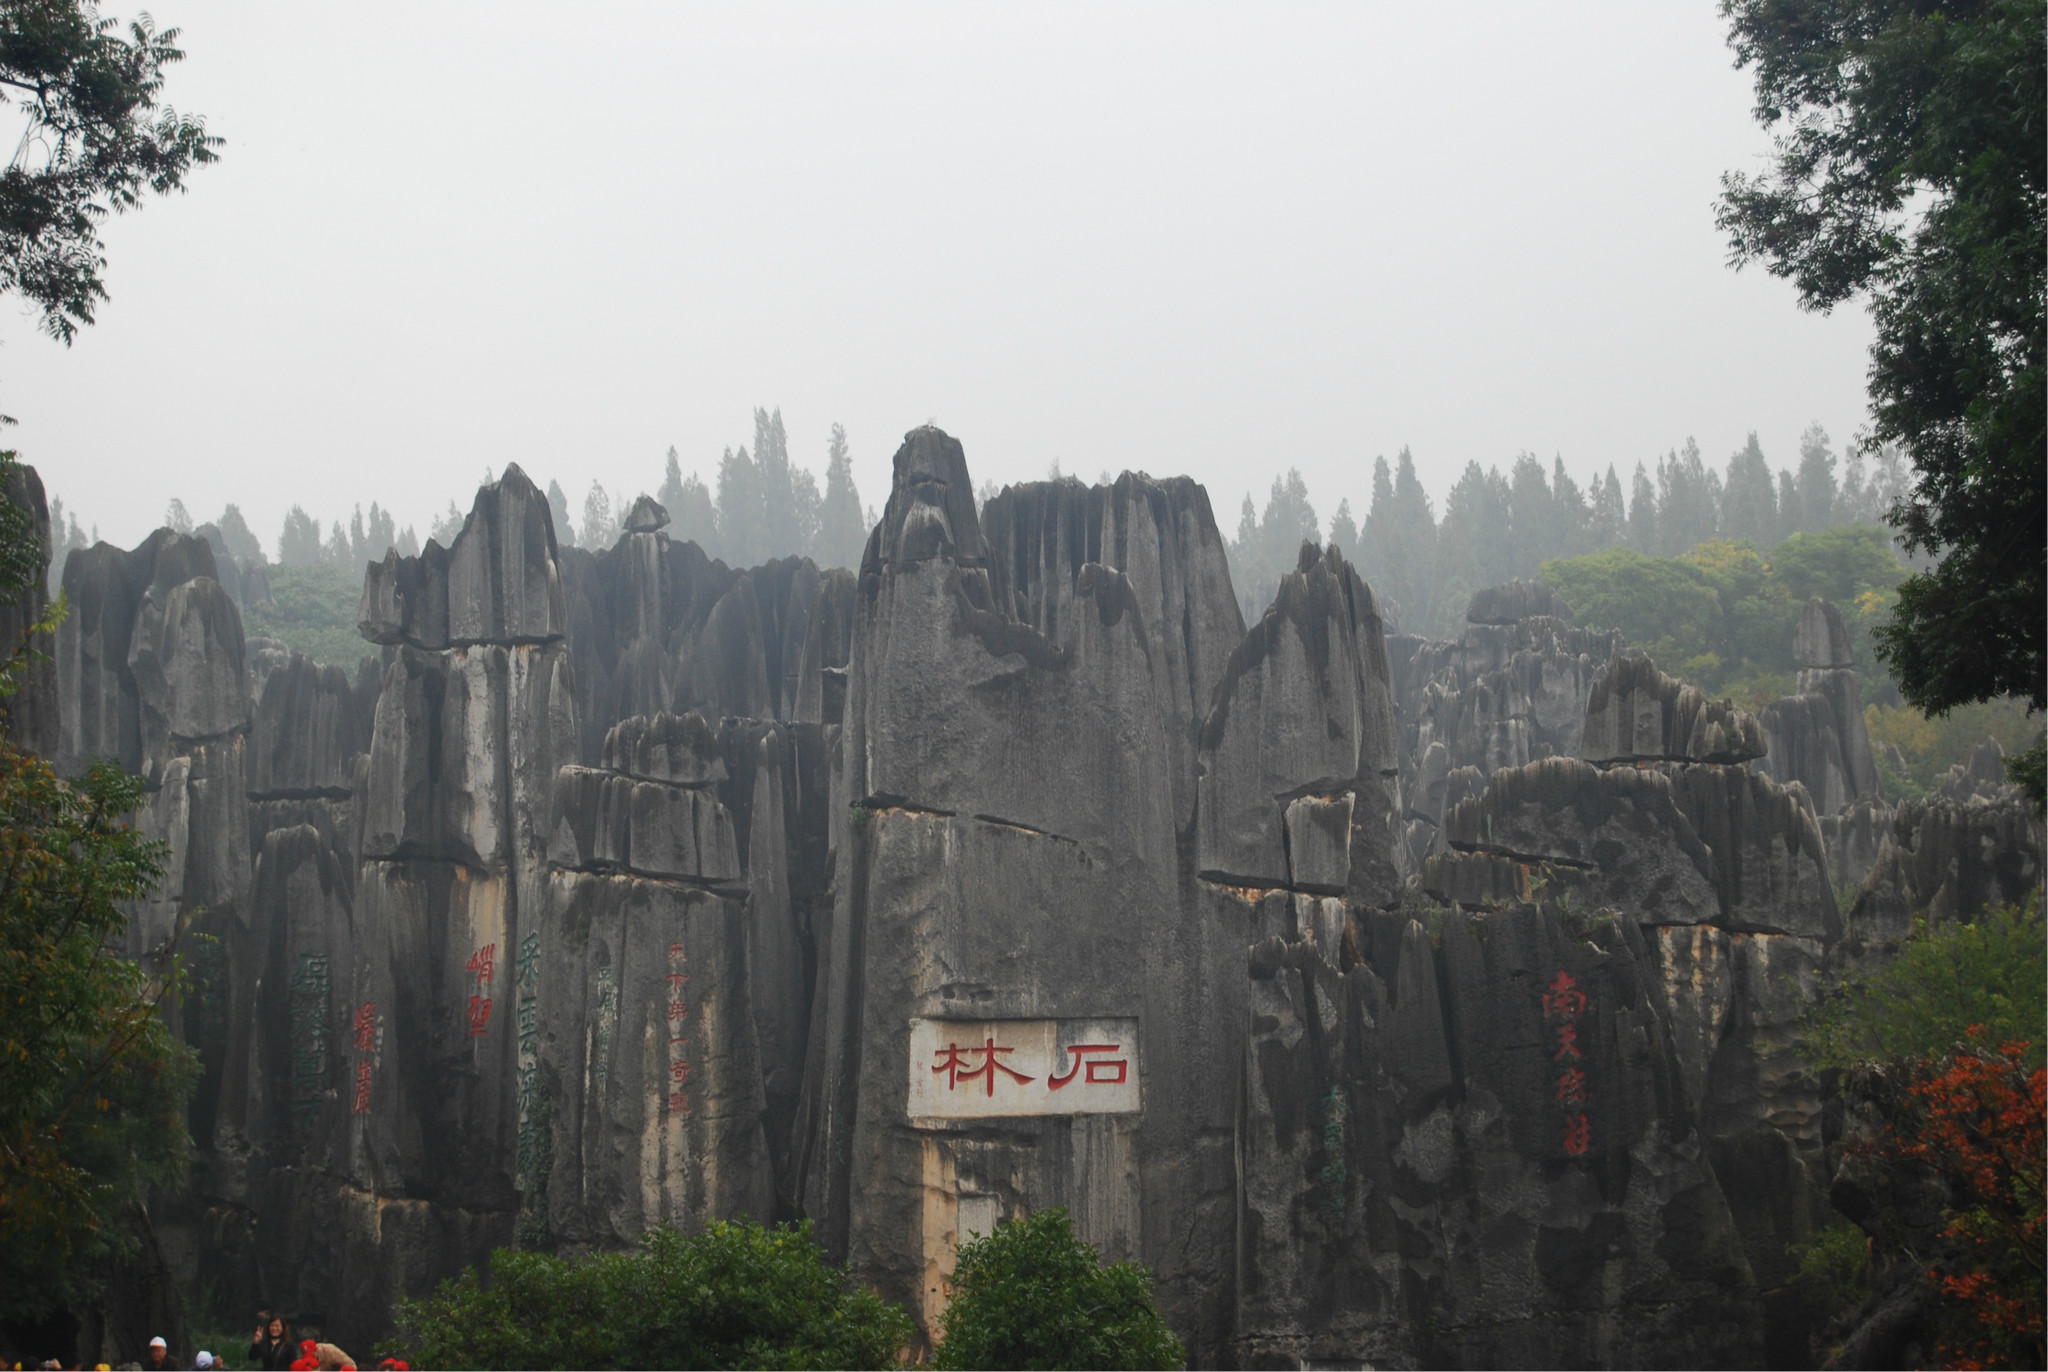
(1393, 1001)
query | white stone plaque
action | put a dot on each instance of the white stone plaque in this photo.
(976, 1069)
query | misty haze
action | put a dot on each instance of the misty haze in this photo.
(1344, 687)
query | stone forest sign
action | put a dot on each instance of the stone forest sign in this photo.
(977, 1069)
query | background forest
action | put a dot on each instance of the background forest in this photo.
(1704, 568)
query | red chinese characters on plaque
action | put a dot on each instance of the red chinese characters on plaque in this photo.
(983, 1068)
(1564, 1006)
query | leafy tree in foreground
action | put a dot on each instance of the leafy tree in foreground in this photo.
(735, 1295)
(1973, 1116)
(1911, 164)
(93, 1084)
(97, 141)
(1031, 1295)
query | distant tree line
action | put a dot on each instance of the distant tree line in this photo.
(762, 506)
(1497, 526)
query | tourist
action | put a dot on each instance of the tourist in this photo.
(272, 1348)
(204, 1362)
(159, 1359)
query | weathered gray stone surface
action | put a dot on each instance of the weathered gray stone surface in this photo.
(1303, 708)
(308, 733)
(1636, 713)
(1945, 859)
(608, 893)
(1514, 601)
(1818, 737)
(1498, 696)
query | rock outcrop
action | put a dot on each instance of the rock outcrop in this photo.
(1817, 737)
(1394, 1001)
(1502, 694)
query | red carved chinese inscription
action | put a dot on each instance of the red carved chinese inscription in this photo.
(366, 1026)
(953, 1063)
(361, 1104)
(1578, 1134)
(1565, 1001)
(1097, 1068)
(479, 1014)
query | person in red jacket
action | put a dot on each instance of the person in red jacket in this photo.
(308, 1359)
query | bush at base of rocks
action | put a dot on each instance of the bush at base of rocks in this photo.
(1031, 1295)
(735, 1295)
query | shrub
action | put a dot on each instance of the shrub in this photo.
(1950, 984)
(1976, 1118)
(735, 1295)
(1031, 1295)
(313, 611)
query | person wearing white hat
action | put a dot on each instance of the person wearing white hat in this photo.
(159, 1356)
(204, 1362)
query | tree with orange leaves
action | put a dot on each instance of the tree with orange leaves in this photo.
(1978, 1121)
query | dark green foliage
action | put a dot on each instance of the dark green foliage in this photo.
(313, 610)
(2029, 769)
(93, 1084)
(22, 554)
(1839, 564)
(1723, 616)
(1947, 978)
(1911, 165)
(735, 1295)
(1031, 1295)
(97, 141)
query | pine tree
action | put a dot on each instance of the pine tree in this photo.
(558, 510)
(693, 518)
(1815, 482)
(739, 509)
(1574, 517)
(1749, 500)
(1474, 545)
(1607, 524)
(600, 520)
(670, 493)
(1533, 531)
(842, 529)
(1688, 501)
(241, 540)
(1344, 531)
(1642, 513)
(298, 543)
(777, 530)
(1413, 542)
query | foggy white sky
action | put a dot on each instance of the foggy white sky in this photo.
(1219, 241)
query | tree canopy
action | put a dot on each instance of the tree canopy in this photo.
(1031, 1295)
(98, 140)
(1911, 166)
(93, 1083)
(733, 1295)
